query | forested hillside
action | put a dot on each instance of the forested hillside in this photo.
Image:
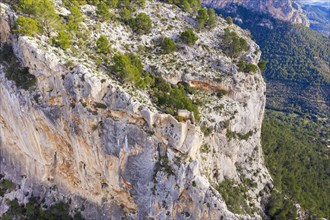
(296, 130)
(297, 156)
(293, 52)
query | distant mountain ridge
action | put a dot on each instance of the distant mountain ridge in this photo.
(325, 3)
(319, 15)
(285, 10)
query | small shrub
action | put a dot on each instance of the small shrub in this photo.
(262, 65)
(189, 37)
(233, 44)
(232, 134)
(62, 40)
(135, 61)
(180, 118)
(206, 129)
(211, 22)
(124, 4)
(251, 68)
(229, 20)
(186, 5)
(140, 3)
(243, 44)
(167, 45)
(222, 93)
(247, 67)
(141, 24)
(26, 26)
(6, 186)
(163, 165)
(103, 11)
(112, 3)
(69, 64)
(202, 17)
(205, 148)
(102, 45)
(125, 15)
(75, 18)
(124, 69)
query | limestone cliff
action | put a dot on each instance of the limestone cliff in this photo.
(286, 10)
(79, 133)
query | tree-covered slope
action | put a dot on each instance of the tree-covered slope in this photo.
(297, 156)
(294, 52)
(297, 72)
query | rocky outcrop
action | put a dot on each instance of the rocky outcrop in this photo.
(5, 21)
(286, 10)
(103, 144)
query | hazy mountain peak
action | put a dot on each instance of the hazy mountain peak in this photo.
(286, 10)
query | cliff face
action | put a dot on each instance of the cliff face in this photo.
(286, 10)
(80, 134)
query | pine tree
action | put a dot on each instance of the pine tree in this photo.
(103, 11)
(125, 15)
(75, 18)
(124, 69)
(26, 26)
(27, 7)
(195, 4)
(62, 40)
(189, 37)
(112, 3)
(141, 24)
(229, 20)
(167, 45)
(47, 17)
(211, 22)
(202, 18)
(102, 45)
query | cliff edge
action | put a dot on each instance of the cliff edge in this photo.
(79, 133)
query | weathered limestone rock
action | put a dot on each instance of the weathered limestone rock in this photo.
(112, 150)
(5, 21)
